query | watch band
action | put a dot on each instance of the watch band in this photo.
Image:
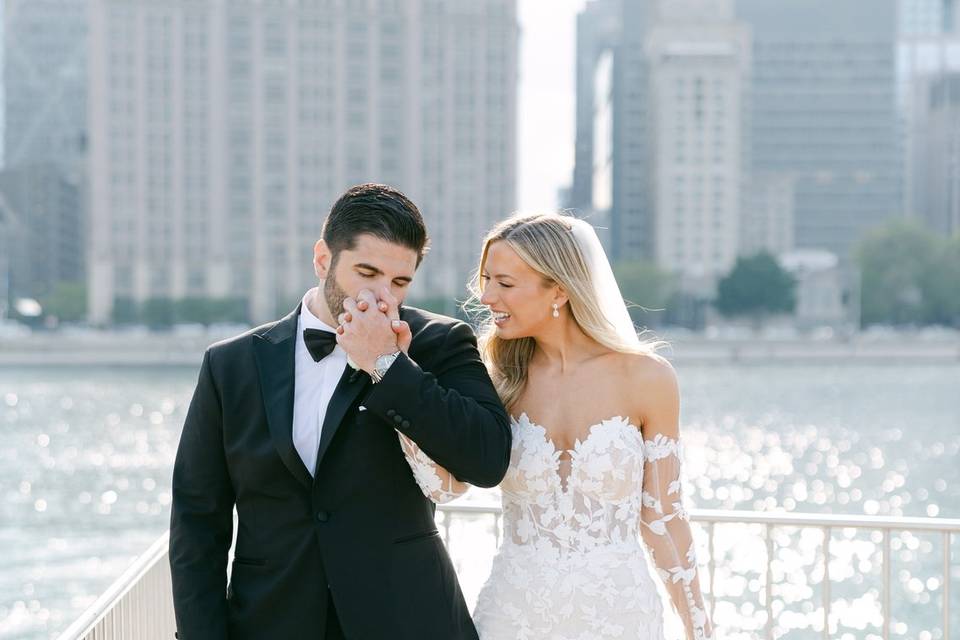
(381, 365)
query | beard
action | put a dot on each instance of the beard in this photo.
(333, 294)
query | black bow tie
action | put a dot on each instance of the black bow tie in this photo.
(319, 343)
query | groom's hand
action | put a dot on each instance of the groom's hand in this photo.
(365, 331)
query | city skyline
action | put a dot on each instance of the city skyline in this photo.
(196, 158)
(546, 79)
(220, 134)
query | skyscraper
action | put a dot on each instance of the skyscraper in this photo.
(661, 130)
(221, 133)
(928, 64)
(926, 17)
(612, 180)
(937, 165)
(43, 183)
(823, 113)
(699, 63)
(44, 77)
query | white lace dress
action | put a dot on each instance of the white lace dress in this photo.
(572, 566)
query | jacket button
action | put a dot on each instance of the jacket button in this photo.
(398, 419)
(405, 424)
(323, 516)
(391, 413)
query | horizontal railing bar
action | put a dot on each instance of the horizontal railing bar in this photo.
(783, 518)
(825, 520)
(157, 551)
(469, 508)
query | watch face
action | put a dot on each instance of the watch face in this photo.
(383, 362)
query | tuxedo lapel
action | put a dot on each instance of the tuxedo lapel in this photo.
(274, 352)
(352, 382)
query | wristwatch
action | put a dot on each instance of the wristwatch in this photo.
(381, 365)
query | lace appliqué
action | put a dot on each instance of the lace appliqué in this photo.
(434, 481)
(667, 534)
(572, 566)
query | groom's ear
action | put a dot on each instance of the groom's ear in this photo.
(322, 258)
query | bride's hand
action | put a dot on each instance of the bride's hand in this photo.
(391, 306)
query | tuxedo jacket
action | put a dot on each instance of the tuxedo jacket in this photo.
(359, 531)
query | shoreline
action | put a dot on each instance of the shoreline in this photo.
(186, 351)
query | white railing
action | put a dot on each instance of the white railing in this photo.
(827, 524)
(139, 603)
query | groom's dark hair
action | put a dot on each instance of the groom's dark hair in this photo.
(379, 210)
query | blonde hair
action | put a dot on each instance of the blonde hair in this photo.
(545, 242)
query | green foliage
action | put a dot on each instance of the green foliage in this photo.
(207, 311)
(158, 313)
(757, 286)
(67, 301)
(644, 287)
(941, 286)
(125, 311)
(162, 313)
(909, 276)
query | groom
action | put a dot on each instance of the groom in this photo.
(334, 537)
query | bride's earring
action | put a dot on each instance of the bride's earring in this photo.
(556, 310)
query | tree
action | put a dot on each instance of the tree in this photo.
(757, 286)
(645, 287)
(207, 311)
(941, 285)
(125, 311)
(159, 313)
(909, 276)
(67, 302)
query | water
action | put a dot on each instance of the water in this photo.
(86, 455)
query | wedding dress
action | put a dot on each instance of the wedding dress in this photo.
(571, 566)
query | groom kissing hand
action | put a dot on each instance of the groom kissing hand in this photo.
(370, 328)
(334, 538)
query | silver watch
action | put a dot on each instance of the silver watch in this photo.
(381, 365)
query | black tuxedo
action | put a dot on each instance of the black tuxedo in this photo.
(360, 533)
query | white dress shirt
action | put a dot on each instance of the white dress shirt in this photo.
(314, 384)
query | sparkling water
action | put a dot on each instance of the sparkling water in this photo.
(86, 456)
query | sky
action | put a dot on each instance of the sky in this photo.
(546, 106)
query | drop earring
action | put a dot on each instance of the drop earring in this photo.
(556, 310)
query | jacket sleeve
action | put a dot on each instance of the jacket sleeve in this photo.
(452, 412)
(201, 519)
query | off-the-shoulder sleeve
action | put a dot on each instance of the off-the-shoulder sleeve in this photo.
(437, 483)
(666, 532)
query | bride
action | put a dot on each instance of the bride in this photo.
(595, 464)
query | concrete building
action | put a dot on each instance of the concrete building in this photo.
(923, 17)
(823, 112)
(928, 63)
(766, 223)
(221, 133)
(43, 182)
(44, 77)
(699, 61)
(820, 288)
(44, 239)
(937, 163)
(660, 130)
(611, 183)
